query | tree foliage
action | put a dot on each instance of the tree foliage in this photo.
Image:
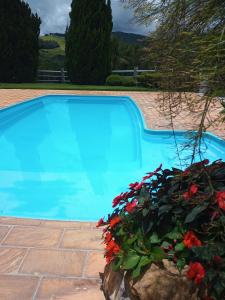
(188, 48)
(19, 33)
(88, 41)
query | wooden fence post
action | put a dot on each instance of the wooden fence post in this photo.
(63, 75)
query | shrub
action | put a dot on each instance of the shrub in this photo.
(114, 80)
(48, 44)
(175, 215)
(118, 80)
(150, 79)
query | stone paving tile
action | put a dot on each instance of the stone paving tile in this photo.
(17, 287)
(82, 239)
(3, 231)
(33, 237)
(10, 259)
(95, 264)
(63, 224)
(69, 289)
(53, 262)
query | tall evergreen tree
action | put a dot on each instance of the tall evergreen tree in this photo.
(88, 41)
(19, 32)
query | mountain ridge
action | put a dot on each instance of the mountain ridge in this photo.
(126, 37)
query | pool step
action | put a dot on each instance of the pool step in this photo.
(15, 113)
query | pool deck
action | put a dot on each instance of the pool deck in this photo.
(54, 260)
(46, 260)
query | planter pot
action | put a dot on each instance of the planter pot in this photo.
(157, 283)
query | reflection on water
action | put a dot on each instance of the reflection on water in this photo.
(67, 157)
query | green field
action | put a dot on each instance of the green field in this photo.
(52, 59)
(68, 86)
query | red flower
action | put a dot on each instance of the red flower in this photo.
(186, 173)
(217, 259)
(131, 206)
(201, 163)
(186, 196)
(108, 237)
(139, 186)
(152, 173)
(133, 185)
(191, 240)
(196, 272)
(100, 222)
(214, 215)
(111, 249)
(192, 191)
(130, 194)
(114, 221)
(109, 258)
(117, 200)
(220, 197)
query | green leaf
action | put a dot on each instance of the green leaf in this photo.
(181, 264)
(131, 240)
(165, 245)
(131, 260)
(179, 247)
(154, 239)
(116, 264)
(164, 208)
(174, 235)
(193, 214)
(145, 212)
(145, 260)
(157, 254)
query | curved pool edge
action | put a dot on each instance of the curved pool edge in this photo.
(146, 129)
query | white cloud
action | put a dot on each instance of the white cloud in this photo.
(55, 16)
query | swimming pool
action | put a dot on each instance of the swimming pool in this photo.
(67, 157)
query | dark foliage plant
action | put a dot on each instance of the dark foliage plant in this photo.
(175, 215)
(19, 46)
(88, 41)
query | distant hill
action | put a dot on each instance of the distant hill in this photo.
(130, 38)
(54, 59)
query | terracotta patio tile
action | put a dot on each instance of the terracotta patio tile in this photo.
(17, 287)
(10, 259)
(95, 264)
(69, 289)
(54, 262)
(33, 237)
(82, 239)
(19, 221)
(3, 231)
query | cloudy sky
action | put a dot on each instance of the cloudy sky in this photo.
(54, 15)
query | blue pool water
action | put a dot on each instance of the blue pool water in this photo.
(67, 157)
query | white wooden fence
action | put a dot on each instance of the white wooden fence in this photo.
(61, 76)
(49, 76)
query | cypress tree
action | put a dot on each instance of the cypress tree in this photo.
(19, 32)
(88, 41)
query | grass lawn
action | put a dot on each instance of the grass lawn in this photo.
(68, 86)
